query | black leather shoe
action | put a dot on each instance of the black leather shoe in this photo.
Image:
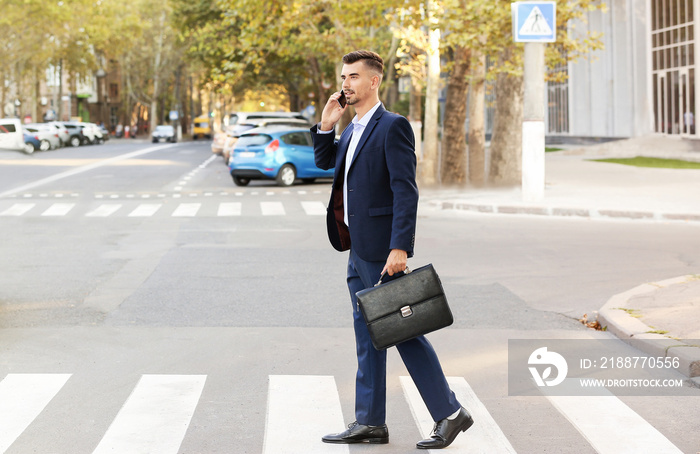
(446, 431)
(359, 433)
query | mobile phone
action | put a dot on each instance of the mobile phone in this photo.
(342, 100)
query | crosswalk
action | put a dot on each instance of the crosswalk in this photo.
(156, 416)
(164, 209)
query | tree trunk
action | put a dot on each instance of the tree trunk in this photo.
(36, 98)
(506, 144)
(156, 75)
(477, 137)
(454, 141)
(428, 170)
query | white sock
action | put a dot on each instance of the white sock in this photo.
(454, 415)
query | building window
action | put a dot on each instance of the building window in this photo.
(673, 66)
(114, 91)
(113, 113)
(558, 99)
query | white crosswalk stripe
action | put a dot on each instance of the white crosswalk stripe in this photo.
(229, 209)
(22, 398)
(609, 425)
(156, 415)
(485, 437)
(187, 210)
(18, 209)
(104, 211)
(311, 399)
(58, 209)
(272, 209)
(314, 208)
(145, 210)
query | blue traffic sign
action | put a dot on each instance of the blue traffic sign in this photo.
(534, 22)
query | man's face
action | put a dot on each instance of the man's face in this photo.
(358, 82)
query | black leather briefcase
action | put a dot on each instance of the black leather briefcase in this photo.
(404, 308)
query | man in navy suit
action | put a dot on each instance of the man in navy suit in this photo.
(372, 213)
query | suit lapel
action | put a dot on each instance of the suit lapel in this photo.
(368, 130)
(343, 145)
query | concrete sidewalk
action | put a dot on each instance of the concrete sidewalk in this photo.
(665, 314)
(577, 186)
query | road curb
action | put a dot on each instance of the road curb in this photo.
(615, 319)
(563, 211)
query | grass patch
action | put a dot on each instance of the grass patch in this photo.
(550, 149)
(632, 312)
(659, 163)
(658, 331)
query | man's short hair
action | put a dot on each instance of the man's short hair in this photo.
(371, 59)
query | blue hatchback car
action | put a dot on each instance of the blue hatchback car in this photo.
(280, 153)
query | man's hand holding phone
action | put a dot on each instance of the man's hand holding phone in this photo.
(335, 107)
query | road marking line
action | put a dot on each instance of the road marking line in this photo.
(22, 398)
(314, 208)
(58, 209)
(145, 210)
(187, 209)
(229, 209)
(485, 436)
(18, 209)
(104, 210)
(156, 415)
(78, 170)
(300, 410)
(272, 208)
(610, 426)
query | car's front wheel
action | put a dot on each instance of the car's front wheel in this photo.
(75, 141)
(44, 145)
(240, 181)
(286, 175)
(28, 148)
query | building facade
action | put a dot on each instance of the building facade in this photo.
(642, 82)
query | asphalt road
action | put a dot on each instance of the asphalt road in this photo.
(131, 260)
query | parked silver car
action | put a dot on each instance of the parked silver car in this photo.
(48, 135)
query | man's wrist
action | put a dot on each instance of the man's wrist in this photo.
(325, 126)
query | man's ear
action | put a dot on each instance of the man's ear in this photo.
(376, 80)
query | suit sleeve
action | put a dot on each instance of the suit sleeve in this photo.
(325, 148)
(401, 163)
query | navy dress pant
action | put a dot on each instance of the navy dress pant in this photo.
(417, 354)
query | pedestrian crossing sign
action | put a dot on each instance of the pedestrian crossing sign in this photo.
(534, 22)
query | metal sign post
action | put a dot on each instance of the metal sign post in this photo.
(534, 23)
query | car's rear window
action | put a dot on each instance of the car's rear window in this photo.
(240, 129)
(253, 139)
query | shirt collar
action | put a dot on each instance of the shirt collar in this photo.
(366, 118)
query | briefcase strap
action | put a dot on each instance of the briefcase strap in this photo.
(406, 271)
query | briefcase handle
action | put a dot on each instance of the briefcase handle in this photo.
(406, 271)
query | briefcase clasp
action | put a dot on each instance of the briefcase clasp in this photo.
(406, 311)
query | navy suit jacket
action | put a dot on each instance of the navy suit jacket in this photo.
(382, 190)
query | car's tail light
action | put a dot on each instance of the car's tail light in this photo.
(274, 145)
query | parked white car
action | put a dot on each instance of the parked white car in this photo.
(63, 132)
(97, 132)
(11, 134)
(48, 135)
(89, 135)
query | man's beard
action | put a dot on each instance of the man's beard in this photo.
(352, 101)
